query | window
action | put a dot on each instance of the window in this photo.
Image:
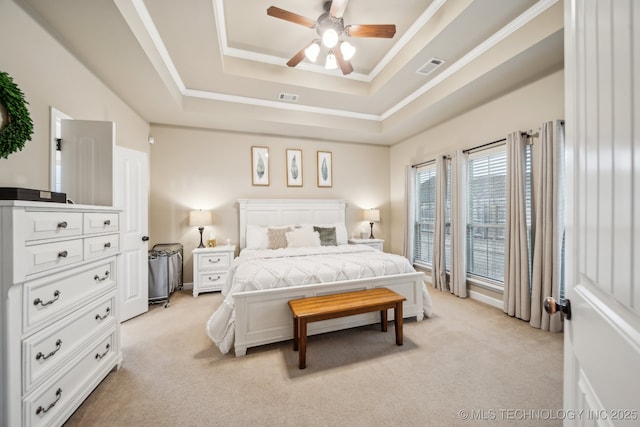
(425, 214)
(486, 213)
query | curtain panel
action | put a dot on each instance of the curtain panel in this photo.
(549, 227)
(438, 266)
(458, 282)
(408, 226)
(516, 297)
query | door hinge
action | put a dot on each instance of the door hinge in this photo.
(58, 144)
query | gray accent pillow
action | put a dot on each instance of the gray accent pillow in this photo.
(327, 235)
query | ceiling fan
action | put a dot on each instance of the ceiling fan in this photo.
(330, 26)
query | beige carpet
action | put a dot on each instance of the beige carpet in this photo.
(467, 365)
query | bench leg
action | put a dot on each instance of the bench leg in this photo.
(295, 334)
(303, 345)
(383, 320)
(398, 322)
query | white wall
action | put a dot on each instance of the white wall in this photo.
(523, 109)
(49, 75)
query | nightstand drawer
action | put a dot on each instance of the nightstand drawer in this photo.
(215, 261)
(212, 279)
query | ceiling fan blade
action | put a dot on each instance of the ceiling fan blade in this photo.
(338, 7)
(276, 12)
(344, 65)
(298, 57)
(382, 31)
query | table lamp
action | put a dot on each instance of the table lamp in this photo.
(200, 219)
(372, 215)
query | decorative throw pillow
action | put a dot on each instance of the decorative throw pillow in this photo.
(341, 232)
(277, 237)
(327, 235)
(302, 238)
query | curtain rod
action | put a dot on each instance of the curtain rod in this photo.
(468, 150)
(428, 162)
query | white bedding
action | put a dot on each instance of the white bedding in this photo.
(267, 268)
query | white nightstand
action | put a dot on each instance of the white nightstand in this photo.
(210, 267)
(374, 243)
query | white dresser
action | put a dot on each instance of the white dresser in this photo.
(210, 267)
(59, 333)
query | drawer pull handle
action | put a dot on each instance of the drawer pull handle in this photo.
(107, 311)
(101, 279)
(214, 262)
(63, 254)
(213, 280)
(62, 224)
(56, 295)
(107, 222)
(107, 245)
(43, 410)
(100, 356)
(41, 355)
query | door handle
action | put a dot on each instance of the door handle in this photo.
(552, 306)
(145, 238)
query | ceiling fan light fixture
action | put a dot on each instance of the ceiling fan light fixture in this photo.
(331, 63)
(330, 38)
(312, 51)
(348, 50)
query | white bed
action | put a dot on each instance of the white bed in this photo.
(250, 317)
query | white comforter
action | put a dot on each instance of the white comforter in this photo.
(267, 269)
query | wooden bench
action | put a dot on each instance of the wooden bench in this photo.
(325, 307)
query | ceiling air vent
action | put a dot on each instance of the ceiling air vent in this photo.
(290, 97)
(430, 66)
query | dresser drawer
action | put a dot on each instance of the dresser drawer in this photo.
(47, 299)
(100, 246)
(49, 349)
(215, 261)
(36, 225)
(212, 279)
(53, 403)
(100, 222)
(46, 256)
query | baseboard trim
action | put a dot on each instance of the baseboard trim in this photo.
(486, 299)
(187, 286)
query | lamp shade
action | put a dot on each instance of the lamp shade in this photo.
(199, 218)
(372, 215)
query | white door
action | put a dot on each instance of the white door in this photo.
(86, 164)
(602, 338)
(131, 183)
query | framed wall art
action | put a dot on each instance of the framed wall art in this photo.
(260, 165)
(325, 169)
(294, 168)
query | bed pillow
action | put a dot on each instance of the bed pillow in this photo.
(277, 237)
(256, 237)
(302, 238)
(327, 235)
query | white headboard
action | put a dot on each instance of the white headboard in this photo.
(288, 211)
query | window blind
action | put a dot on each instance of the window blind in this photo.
(486, 213)
(425, 214)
